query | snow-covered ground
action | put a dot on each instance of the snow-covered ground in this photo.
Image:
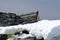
(49, 29)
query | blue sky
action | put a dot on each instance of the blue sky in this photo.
(49, 9)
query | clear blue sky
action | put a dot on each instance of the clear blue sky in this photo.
(49, 9)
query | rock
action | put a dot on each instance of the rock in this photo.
(8, 19)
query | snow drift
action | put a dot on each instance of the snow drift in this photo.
(49, 29)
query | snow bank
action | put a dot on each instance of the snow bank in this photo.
(44, 28)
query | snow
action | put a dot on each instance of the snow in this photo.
(49, 29)
(24, 36)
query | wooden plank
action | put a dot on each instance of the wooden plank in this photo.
(32, 15)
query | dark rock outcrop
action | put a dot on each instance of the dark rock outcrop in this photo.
(8, 19)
